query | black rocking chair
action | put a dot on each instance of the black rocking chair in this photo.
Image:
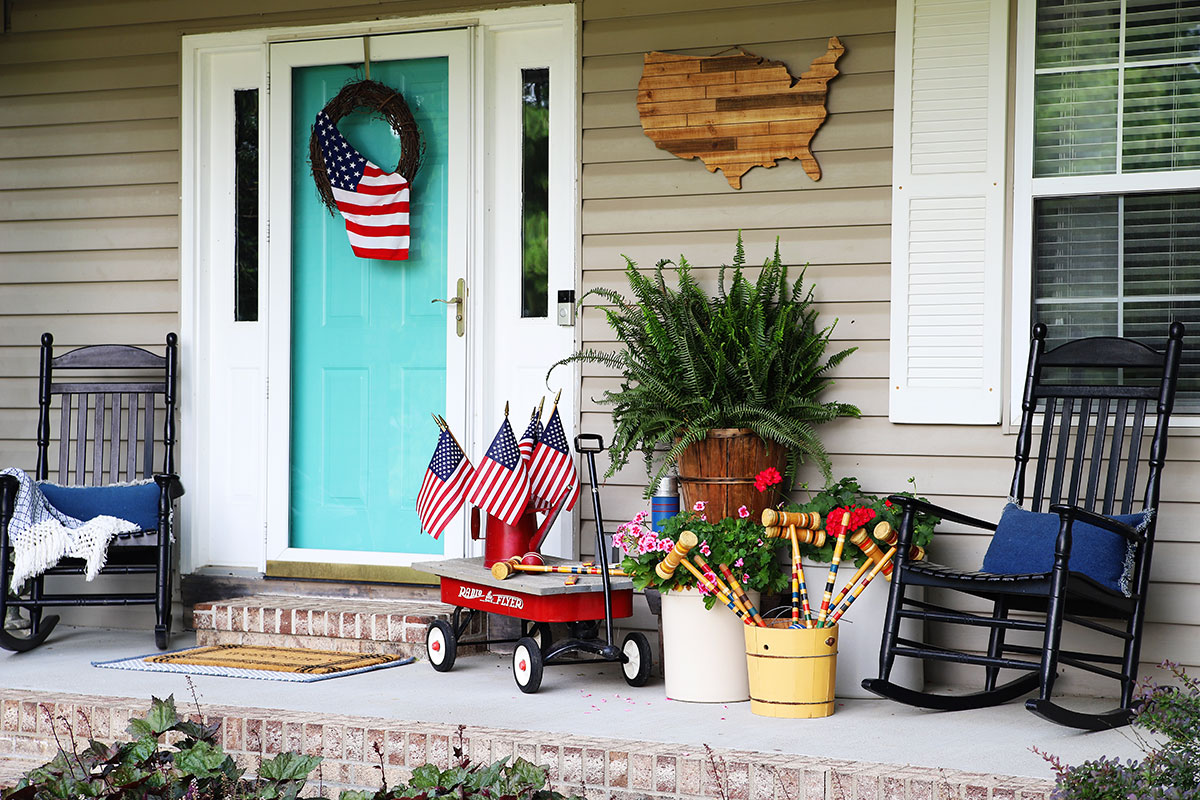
(1088, 457)
(105, 438)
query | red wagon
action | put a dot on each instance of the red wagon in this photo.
(538, 600)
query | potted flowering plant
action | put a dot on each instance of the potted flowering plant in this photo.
(858, 644)
(866, 510)
(737, 542)
(690, 624)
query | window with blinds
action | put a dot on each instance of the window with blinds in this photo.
(1117, 87)
(1116, 226)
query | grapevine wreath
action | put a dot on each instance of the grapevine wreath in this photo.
(386, 101)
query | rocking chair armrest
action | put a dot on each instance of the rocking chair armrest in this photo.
(171, 484)
(1099, 520)
(906, 502)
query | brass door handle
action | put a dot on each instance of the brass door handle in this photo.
(460, 303)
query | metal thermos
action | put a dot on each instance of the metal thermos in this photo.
(665, 502)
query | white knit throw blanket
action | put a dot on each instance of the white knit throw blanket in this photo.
(41, 535)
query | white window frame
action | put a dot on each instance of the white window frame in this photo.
(1027, 189)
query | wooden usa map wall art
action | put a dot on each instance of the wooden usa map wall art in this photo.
(735, 112)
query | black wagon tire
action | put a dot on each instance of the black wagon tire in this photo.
(441, 646)
(637, 660)
(527, 665)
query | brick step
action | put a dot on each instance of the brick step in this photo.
(344, 624)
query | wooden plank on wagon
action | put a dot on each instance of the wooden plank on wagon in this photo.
(735, 111)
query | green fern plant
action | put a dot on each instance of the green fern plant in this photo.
(751, 356)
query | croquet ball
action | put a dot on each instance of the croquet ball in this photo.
(532, 559)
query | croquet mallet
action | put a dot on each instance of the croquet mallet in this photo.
(707, 584)
(833, 620)
(740, 593)
(833, 570)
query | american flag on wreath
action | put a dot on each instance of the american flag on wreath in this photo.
(374, 202)
(501, 484)
(552, 470)
(529, 439)
(445, 485)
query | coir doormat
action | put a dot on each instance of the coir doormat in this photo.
(261, 663)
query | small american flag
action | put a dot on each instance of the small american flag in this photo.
(445, 485)
(374, 202)
(501, 484)
(552, 470)
(529, 439)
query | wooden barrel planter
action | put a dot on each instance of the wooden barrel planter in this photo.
(720, 470)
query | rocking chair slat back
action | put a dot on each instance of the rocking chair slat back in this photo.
(1097, 431)
(115, 418)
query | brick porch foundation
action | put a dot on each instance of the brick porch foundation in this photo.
(598, 769)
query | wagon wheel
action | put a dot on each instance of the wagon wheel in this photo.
(637, 659)
(440, 645)
(527, 665)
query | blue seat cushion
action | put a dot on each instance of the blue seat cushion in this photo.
(133, 502)
(1024, 543)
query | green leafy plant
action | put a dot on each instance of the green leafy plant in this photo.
(847, 493)
(737, 542)
(195, 767)
(1170, 769)
(752, 356)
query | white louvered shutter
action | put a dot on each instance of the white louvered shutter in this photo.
(948, 218)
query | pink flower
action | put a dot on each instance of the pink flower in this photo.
(760, 542)
(738, 563)
(704, 517)
(745, 579)
(704, 549)
(743, 512)
(699, 506)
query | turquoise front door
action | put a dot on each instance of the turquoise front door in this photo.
(368, 347)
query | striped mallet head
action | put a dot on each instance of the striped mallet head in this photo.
(885, 533)
(801, 519)
(502, 570)
(871, 550)
(804, 535)
(666, 568)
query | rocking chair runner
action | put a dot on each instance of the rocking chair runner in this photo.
(1087, 468)
(106, 430)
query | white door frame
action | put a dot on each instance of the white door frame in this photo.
(284, 57)
(204, 188)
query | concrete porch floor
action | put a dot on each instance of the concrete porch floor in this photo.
(585, 701)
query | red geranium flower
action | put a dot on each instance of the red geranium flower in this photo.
(858, 518)
(767, 478)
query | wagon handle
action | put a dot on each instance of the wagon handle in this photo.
(589, 437)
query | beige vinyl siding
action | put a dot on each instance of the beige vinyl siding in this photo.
(647, 204)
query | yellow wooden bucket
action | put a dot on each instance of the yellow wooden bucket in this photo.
(792, 670)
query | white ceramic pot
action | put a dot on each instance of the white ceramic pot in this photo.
(861, 632)
(704, 650)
